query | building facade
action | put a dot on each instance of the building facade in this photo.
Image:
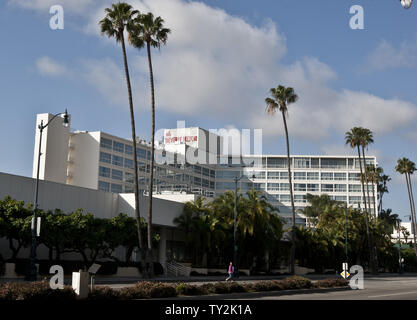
(191, 160)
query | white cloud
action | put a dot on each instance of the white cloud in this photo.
(218, 65)
(386, 56)
(48, 67)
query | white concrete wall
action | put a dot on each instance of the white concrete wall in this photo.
(84, 158)
(54, 149)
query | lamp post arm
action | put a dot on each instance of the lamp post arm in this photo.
(41, 126)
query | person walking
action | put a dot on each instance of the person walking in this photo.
(230, 271)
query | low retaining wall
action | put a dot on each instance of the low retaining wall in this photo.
(223, 270)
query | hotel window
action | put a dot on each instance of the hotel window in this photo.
(312, 176)
(141, 153)
(327, 176)
(333, 163)
(211, 184)
(117, 174)
(142, 167)
(104, 172)
(105, 157)
(283, 175)
(129, 177)
(128, 149)
(206, 172)
(340, 198)
(197, 169)
(129, 189)
(129, 163)
(285, 197)
(273, 186)
(299, 175)
(219, 185)
(230, 174)
(212, 174)
(340, 188)
(277, 163)
(354, 176)
(300, 198)
(229, 185)
(106, 143)
(284, 186)
(257, 174)
(259, 186)
(119, 147)
(339, 176)
(116, 188)
(326, 188)
(300, 187)
(301, 162)
(118, 161)
(315, 163)
(219, 174)
(103, 186)
(206, 183)
(197, 181)
(273, 175)
(355, 199)
(313, 187)
(355, 188)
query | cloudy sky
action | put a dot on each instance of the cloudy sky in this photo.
(221, 59)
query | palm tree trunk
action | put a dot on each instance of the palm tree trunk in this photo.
(135, 160)
(363, 186)
(292, 252)
(413, 211)
(148, 46)
(366, 180)
(371, 258)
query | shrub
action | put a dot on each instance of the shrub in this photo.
(296, 282)
(148, 290)
(103, 293)
(272, 285)
(330, 283)
(208, 288)
(228, 287)
(189, 289)
(35, 291)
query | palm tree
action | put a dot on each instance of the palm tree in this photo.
(382, 188)
(366, 138)
(281, 98)
(354, 138)
(407, 167)
(117, 19)
(374, 176)
(149, 31)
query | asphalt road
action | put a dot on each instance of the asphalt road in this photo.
(379, 288)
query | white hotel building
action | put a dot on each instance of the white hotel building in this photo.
(101, 161)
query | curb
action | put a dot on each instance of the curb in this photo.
(243, 295)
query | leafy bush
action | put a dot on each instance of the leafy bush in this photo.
(148, 290)
(189, 289)
(296, 282)
(103, 293)
(331, 283)
(228, 287)
(35, 291)
(272, 285)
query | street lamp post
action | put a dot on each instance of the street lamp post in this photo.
(31, 272)
(346, 234)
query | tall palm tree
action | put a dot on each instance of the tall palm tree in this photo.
(117, 19)
(407, 167)
(382, 188)
(149, 31)
(374, 176)
(281, 98)
(366, 138)
(353, 138)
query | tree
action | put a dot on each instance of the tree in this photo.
(149, 31)
(382, 188)
(15, 224)
(407, 167)
(374, 176)
(282, 97)
(117, 19)
(366, 138)
(355, 138)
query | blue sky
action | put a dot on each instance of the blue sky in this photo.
(220, 61)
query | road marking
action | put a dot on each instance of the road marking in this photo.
(393, 294)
